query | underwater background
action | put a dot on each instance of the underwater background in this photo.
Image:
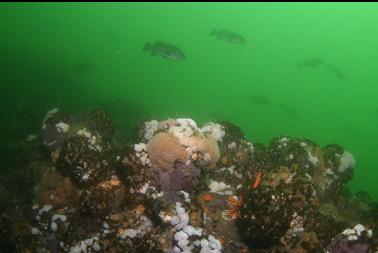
(74, 56)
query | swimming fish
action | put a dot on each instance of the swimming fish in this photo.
(291, 111)
(258, 99)
(336, 72)
(349, 131)
(315, 62)
(229, 36)
(167, 51)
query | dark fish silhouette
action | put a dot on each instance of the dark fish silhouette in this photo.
(349, 131)
(291, 111)
(258, 99)
(114, 36)
(315, 62)
(336, 72)
(84, 66)
(167, 51)
(229, 36)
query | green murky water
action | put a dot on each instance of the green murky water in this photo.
(74, 56)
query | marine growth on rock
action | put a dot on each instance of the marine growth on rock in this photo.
(181, 187)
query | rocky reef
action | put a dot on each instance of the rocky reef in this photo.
(180, 187)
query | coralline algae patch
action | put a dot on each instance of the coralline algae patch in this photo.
(180, 187)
